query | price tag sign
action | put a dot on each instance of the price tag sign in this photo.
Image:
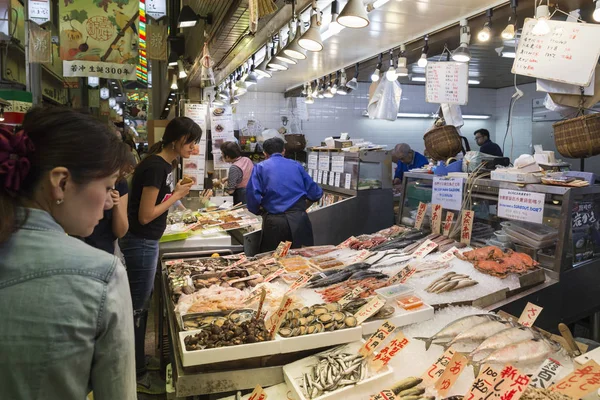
(369, 309)
(298, 283)
(337, 163)
(331, 179)
(547, 374)
(449, 255)
(437, 368)
(347, 181)
(448, 192)
(313, 161)
(325, 177)
(427, 247)
(338, 178)
(467, 226)
(346, 243)
(483, 385)
(436, 218)
(324, 161)
(581, 381)
(402, 276)
(377, 339)
(282, 249)
(420, 215)
(448, 223)
(173, 262)
(258, 394)
(242, 260)
(530, 314)
(275, 321)
(511, 383)
(267, 261)
(384, 395)
(455, 367)
(386, 354)
(254, 297)
(319, 177)
(348, 297)
(519, 205)
(275, 275)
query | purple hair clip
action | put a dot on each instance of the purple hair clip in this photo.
(14, 161)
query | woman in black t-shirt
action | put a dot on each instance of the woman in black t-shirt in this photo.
(150, 200)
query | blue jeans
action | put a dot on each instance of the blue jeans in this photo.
(141, 259)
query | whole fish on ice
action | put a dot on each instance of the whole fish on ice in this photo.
(502, 339)
(480, 332)
(453, 329)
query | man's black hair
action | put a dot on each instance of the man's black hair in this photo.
(483, 132)
(273, 145)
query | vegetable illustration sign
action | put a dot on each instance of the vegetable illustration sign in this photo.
(99, 38)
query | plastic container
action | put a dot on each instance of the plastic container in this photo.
(537, 232)
(410, 302)
(390, 293)
(501, 236)
(545, 259)
(526, 240)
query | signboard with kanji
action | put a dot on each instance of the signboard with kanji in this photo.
(436, 370)
(377, 338)
(520, 205)
(457, 364)
(467, 226)
(383, 357)
(530, 314)
(436, 218)
(581, 381)
(483, 385)
(448, 223)
(547, 374)
(420, 215)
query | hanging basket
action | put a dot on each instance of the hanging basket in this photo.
(442, 142)
(578, 137)
(294, 142)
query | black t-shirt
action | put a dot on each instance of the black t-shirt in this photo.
(156, 172)
(103, 237)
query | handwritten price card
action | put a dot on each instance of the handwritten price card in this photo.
(258, 394)
(483, 385)
(581, 381)
(324, 161)
(402, 276)
(386, 354)
(274, 322)
(337, 163)
(384, 395)
(369, 309)
(427, 247)
(437, 368)
(313, 161)
(377, 338)
(456, 365)
(436, 218)
(449, 254)
(530, 314)
(447, 82)
(282, 249)
(448, 223)
(347, 181)
(547, 375)
(275, 275)
(348, 297)
(298, 283)
(420, 215)
(510, 384)
(467, 226)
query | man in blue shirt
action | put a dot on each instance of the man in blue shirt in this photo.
(482, 137)
(278, 190)
(407, 159)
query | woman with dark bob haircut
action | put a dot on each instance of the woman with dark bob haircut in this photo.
(150, 200)
(66, 310)
(239, 172)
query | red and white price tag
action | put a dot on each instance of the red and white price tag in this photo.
(547, 374)
(258, 394)
(420, 215)
(298, 283)
(436, 218)
(483, 385)
(384, 395)
(530, 314)
(377, 339)
(467, 226)
(581, 381)
(455, 367)
(369, 309)
(510, 383)
(386, 354)
(448, 223)
(402, 276)
(274, 322)
(437, 368)
(427, 247)
(449, 254)
(346, 243)
(282, 249)
(275, 275)
(173, 262)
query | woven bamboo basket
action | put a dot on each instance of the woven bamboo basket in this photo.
(442, 142)
(578, 137)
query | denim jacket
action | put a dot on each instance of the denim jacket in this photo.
(66, 321)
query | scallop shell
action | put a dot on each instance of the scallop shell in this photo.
(350, 321)
(297, 313)
(338, 316)
(330, 326)
(294, 323)
(305, 311)
(289, 315)
(385, 312)
(320, 310)
(311, 329)
(295, 332)
(303, 330)
(310, 319)
(320, 327)
(302, 321)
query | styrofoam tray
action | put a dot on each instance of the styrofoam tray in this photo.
(318, 340)
(294, 370)
(221, 354)
(401, 317)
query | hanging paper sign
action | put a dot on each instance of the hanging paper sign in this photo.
(420, 215)
(447, 82)
(511, 383)
(347, 181)
(156, 8)
(448, 192)
(324, 161)
(455, 367)
(402, 276)
(338, 178)
(581, 381)
(547, 374)
(195, 165)
(386, 354)
(437, 368)
(319, 176)
(38, 11)
(448, 223)
(530, 314)
(427, 247)
(519, 205)
(369, 309)
(313, 161)
(337, 164)
(436, 218)
(483, 385)
(298, 283)
(377, 339)
(156, 42)
(467, 226)
(258, 394)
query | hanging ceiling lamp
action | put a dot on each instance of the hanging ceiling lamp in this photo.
(342, 89)
(275, 64)
(390, 74)
(542, 14)
(354, 15)
(321, 90)
(328, 94)
(311, 40)
(353, 83)
(402, 70)
(252, 78)
(509, 32)
(334, 85)
(281, 56)
(462, 53)
(174, 85)
(293, 48)
(262, 70)
(423, 59)
(182, 73)
(334, 25)
(377, 72)
(486, 32)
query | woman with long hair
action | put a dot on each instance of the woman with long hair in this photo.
(149, 203)
(66, 309)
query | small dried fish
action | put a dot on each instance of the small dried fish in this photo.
(333, 371)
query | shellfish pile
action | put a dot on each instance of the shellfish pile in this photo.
(316, 319)
(229, 334)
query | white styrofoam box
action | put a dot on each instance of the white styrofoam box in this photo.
(295, 370)
(400, 318)
(319, 340)
(221, 354)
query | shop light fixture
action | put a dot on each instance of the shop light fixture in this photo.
(93, 81)
(182, 73)
(486, 32)
(378, 3)
(542, 14)
(218, 102)
(423, 59)
(509, 32)
(473, 82)
(402, 69)
(434, 115)
(377, 72)
(167, 108)
(174, 85)
(354, 15)
(596, 14)
(390, 74)
(188, 18)
(1, 114)
(112, 102)
(173, 57)
(353, 83)
(462, 53)
(342, 89)
(235, 100)
(311, 39)
(334, 25)
(328, 93)
(252, 78)
(320, 92)
(262, 70)
(281, 56)
(293, 48)
(334, 84)
(275, 64)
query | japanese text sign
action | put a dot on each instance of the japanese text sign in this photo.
(347, 181)
(448, 192)
(530, 314)
(581, 381)
(451, 373)
(519, 205)
(547, 374)
(447, 82)
(448, 223)
(483, 386)
(467, 226)
(420, 215)
(324, 161)
(258, 394)
(449, 254)
(427, 247)
(436, 218)
(437, 368)
(275, 274)
(374, 305)
(384, 395)
(313, 161)
(510, 384)
(377, 339)
(383, 357)
(282, 249)
(337, 164)
(402, 276)
(348, 297)
(298, 283)
(274, 322)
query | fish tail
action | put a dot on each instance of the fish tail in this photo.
(427, 341)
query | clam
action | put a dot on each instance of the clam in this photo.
(303, 330)
(339, 316)
(319, 327)
(295, 332)
(311, 329)
(310, 319)
(320, 310)
(325, 318)
(333, 306)
(385, 312)
(297, 313)
(294, 323)
(330, 326)
(305, 311)
(350, 321)
(289, 315)
(302, 321)
(191, 324)
(220, 321)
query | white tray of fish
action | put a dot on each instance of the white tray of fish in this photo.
(297, 373)
(222, 354)
(401, 317)
(318, 340)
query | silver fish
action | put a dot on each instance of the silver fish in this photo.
(526, 352)
(480, 332)
(466, 283)
(447, 287)
(502, 339)
(454, 328)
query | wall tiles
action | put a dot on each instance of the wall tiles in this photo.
(522, 124)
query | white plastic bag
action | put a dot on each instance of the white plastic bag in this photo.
(385, 101)
(452, 115)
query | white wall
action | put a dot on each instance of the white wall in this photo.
(330, 117)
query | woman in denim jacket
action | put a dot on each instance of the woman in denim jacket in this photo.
(65, 306)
